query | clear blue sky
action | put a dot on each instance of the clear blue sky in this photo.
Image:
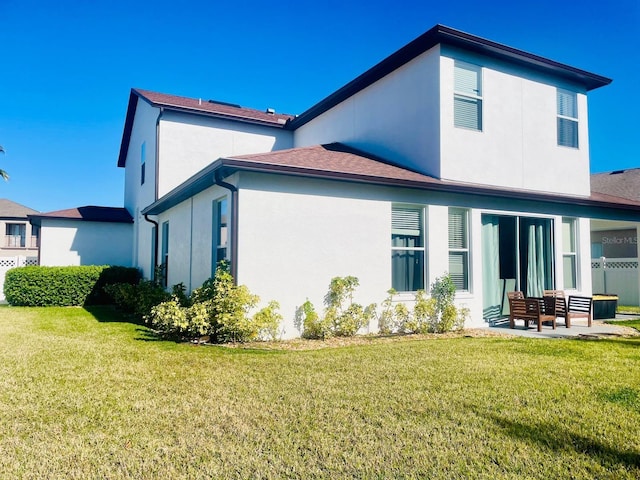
(67, 67)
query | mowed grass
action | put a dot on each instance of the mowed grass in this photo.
(85, 396)
(633, 323)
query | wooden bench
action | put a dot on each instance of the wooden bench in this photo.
(531, 310)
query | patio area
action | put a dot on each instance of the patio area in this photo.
(578, 328)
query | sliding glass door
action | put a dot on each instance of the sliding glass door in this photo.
(517, 254)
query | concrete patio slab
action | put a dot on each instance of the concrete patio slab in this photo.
(578, 328)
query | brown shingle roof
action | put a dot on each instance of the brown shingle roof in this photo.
(194, 106)
(619, 183)
(11, 209)
(211, 107)
(335, 158)
(337, 161)
(89, 213)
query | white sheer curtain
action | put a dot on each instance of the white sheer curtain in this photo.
(536, 259)
(491, 284)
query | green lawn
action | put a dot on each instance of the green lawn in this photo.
(634, 323)
(85, 396)
(632, 309)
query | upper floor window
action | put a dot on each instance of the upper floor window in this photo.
(143, 160)
(467, 96)
(16, 235)
(459, 248)
(567, 119)
(407, 248)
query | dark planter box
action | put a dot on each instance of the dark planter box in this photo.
(604, 306)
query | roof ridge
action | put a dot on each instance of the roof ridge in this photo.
(202, 102)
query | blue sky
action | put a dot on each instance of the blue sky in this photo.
(67, 68)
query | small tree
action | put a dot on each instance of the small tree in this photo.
(3, 173)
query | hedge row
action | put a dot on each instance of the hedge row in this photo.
(64, 286)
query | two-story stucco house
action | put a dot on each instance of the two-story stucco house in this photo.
(453, 154)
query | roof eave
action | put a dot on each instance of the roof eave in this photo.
(205, 179)
(441, 34)
(193, 111)
(131, 111)
(128, 128)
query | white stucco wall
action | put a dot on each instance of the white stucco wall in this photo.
(188, 143)
(296, 234)
(407, 117)
(190, 237)
(74, 242)
(294, 240)
(518, 146)
(395, 118)
(137, 195)
(143, 131)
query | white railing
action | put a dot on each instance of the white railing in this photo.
(18, 241)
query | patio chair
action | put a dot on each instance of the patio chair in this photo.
(560, 304)
(579, 307)
(511, 296)
(530, 309)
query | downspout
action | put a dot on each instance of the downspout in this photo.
(234, 222)
(155, 246)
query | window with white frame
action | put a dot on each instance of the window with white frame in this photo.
(569, 254)
(567, 119)
(221, 231)
(459, 247)
(467, 96)
(16, 235)
(407, 248)
(143, 161)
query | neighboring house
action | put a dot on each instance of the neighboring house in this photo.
(19, 246)
(20, 238)
(614, 244)
(87, 235)
(453, 154)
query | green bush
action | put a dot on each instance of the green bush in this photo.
(313, 326)
(219, 309)
(437, 314)
(137, 299)
(64, 286)
(342, 317)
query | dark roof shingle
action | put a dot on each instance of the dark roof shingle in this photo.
(337, 161)
(89, 213)
(198, 105)
(619, 183)
(11, 209)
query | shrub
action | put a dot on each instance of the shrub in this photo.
(342, 317)
(63, 286)
(447, 316)
(267, 322)
(313, 326)
(220, 309)
(137, 299)
(437, 314)
(425, 311)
